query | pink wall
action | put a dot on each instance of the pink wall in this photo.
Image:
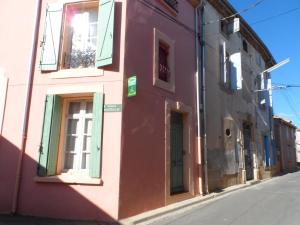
(139, 155)
(15, 50)
(143, 135)
(62, 200)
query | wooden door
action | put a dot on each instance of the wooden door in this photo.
(176, 177)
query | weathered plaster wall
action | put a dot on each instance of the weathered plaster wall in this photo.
(224, 162)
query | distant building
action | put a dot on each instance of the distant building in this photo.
(285, 139)
(298, 146)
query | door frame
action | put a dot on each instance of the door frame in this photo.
(188, 146)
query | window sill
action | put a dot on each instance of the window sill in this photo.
(167, 86)
(73, 73)
(69, 179)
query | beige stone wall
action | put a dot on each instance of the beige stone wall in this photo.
(231, 109)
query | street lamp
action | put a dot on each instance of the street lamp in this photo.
(282, 63)
(276, 66)
(270, 109)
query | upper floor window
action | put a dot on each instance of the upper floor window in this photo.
(163, 61)
(261, 92)
(259, 60)
(225, 66)
(78, 35)
(172, 3)
(164, 70)
(224, 27)
(230, 68)
(245, 46)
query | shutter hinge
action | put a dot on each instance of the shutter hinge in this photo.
(41, 148)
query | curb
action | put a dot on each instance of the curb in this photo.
(163, 211)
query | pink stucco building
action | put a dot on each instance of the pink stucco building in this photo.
(81, 148)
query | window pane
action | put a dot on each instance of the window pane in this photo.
(163, 70)
(85, 160)
(71, 143)
(89, 107)
(78, 135)
(72, 126)
(88, 126)
(74, 108)
(82, 32)
(69, 161)
(86, 143)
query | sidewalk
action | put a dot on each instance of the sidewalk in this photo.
(143, 218)
(153, 215)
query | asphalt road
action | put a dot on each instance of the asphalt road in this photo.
(274, 202)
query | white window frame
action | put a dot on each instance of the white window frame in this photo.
(81, 116)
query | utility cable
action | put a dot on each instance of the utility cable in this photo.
(287, 85)
(186, 27)
(254, 5)
(276, 16)
(287, 98)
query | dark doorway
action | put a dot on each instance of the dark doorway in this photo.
(248, 152)
(176, 182)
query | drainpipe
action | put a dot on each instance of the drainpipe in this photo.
(203, 96)
(27, 106)
(200, 89)
(198, 103)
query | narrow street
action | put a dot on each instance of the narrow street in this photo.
(274, 202)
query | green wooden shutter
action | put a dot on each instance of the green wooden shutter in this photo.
(50, 136)
(96, 145)
(51, 37)
(105, 31)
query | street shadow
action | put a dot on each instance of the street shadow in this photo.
(44, 200)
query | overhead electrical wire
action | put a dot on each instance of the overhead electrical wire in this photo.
(287, 85)
(186, 27)
(287, 97)
(276, 16)
(254, 5)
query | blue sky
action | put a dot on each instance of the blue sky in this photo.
(281, 34)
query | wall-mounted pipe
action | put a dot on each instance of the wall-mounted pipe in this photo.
(203, 96)
(200, 94)
(198, 101)
(27, 106)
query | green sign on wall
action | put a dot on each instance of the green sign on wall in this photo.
(112, 108)
(131, 86)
